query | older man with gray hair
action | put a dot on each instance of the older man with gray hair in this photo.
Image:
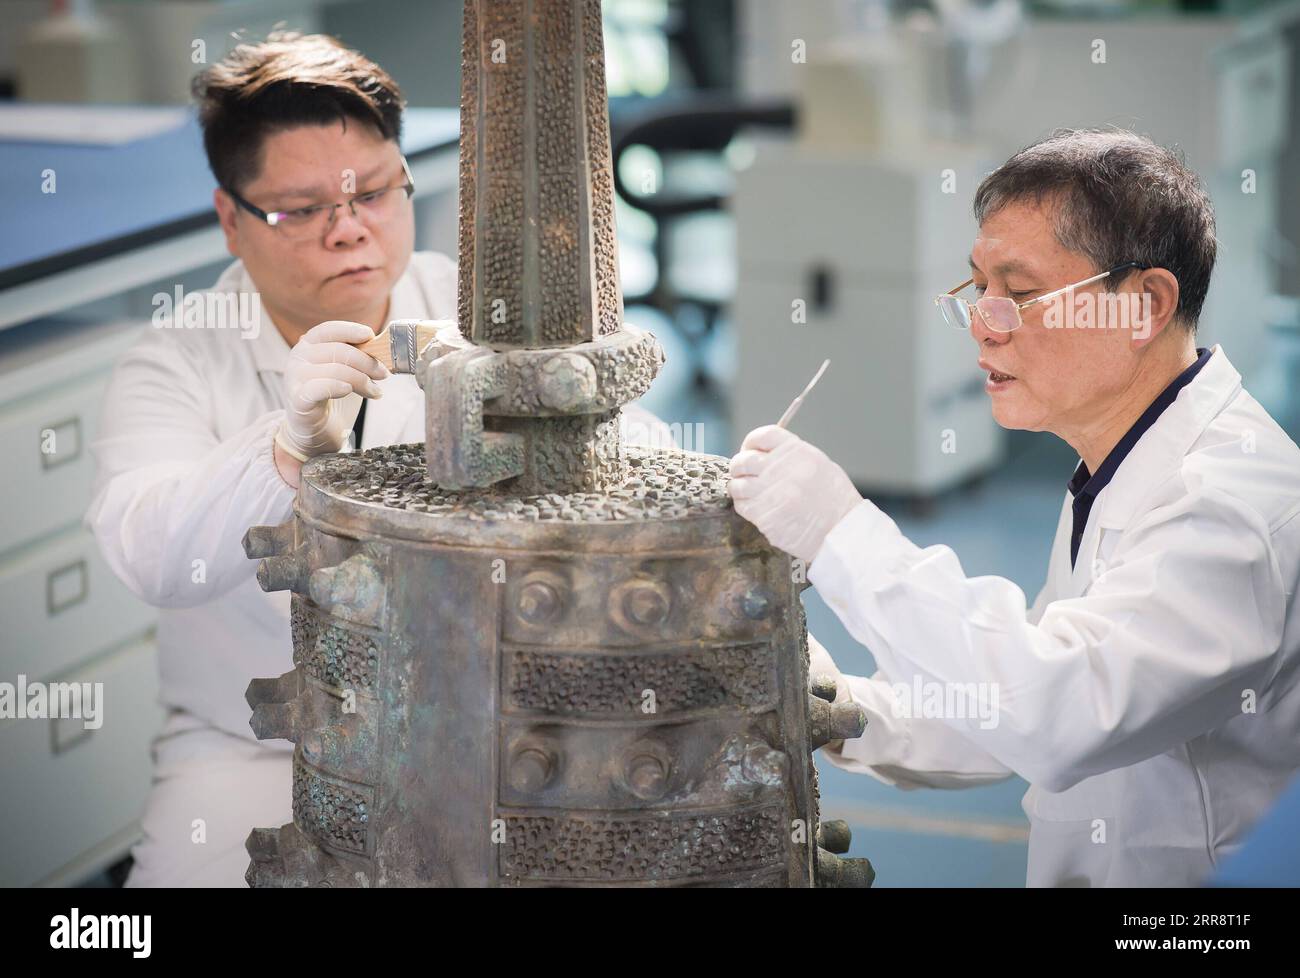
(1149, 694)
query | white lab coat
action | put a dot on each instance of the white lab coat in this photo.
(184, 467)
(1149, 696)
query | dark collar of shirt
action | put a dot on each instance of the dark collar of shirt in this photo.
(1085, 487)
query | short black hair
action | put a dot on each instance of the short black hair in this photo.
(1116, 197)
(287, 80)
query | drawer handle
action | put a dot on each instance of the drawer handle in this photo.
(821, 283)
(64, 735)
(51, 456)
(59, 584)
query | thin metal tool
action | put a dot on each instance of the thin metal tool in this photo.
(797, 403)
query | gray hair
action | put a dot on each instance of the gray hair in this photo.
(1115, 197)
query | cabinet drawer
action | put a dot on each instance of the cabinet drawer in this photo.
(68, 789)
(61, 604)
(48, 469)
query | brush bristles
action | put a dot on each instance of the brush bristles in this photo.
(381, 347)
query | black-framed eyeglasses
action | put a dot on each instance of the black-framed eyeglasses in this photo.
(376, 206)
(1001, 313)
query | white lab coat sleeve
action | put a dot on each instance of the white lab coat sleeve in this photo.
(899, 747)
(171, 500)
(1186, 617)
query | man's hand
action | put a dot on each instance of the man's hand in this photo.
(790, 490)
(822, 667)
(324, 366)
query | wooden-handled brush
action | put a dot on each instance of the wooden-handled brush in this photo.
(400, 343)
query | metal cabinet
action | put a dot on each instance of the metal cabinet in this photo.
(73, 791)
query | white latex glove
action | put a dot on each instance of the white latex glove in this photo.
(820, 663)
(324, 366)
(790, 490)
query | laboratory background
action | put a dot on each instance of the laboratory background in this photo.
(794, 183)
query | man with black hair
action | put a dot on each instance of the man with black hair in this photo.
(204, 431)
(1149, 694)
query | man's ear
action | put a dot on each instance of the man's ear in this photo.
(1154, 298)
(226, 211)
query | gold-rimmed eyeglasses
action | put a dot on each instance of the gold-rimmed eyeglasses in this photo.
(1002, 313)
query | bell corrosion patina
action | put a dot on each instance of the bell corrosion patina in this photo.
(525, 652)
